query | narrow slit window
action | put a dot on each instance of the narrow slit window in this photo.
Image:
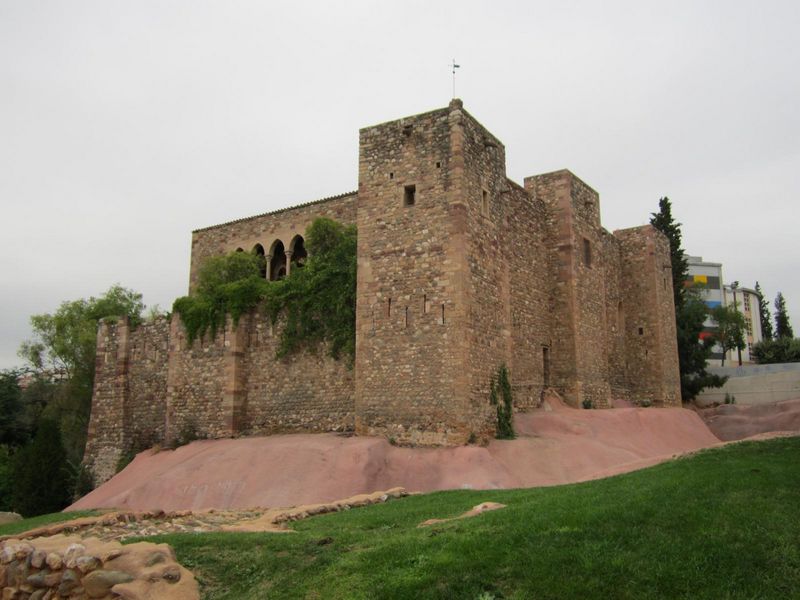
(409, 195)
(442, 314)
(406, 317)
(587, 252)
(425, 303)
(485, 203)
(391, 175)
(389, 308)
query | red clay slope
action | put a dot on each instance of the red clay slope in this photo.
(560, 446)
(736, 422)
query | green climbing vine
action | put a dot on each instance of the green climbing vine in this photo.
(500, 397)
(316, 304)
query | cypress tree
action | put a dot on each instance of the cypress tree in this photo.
(663, 221)
(41, 480)
(690, 311)
(782, 327)
(763, 315)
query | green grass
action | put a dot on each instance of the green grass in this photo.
(724, 523)
(33, 522)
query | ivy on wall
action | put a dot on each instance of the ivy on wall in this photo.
(316, 302)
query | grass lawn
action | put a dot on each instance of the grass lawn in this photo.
(724, 523)
(33, 522)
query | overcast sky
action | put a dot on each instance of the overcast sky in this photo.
(125, 125)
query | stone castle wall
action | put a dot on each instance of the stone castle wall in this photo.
(154, 388)
(460, 270)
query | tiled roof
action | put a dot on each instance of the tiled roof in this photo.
(280, 210)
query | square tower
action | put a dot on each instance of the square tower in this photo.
(431, 313)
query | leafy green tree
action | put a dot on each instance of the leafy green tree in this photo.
(65, 341)
(730, 328)
(42, 481)
(690, 312)
(62, 354)
(782, 327)
(763, 314)
(693, 353)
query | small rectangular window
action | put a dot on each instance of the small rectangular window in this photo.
(409, 195)
(641, 330)
(587, 252)
(485, 203)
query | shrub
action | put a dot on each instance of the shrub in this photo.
(500, 397)
(781, 350)
(316, 303)
(587, 404)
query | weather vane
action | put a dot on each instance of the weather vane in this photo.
(455, 66)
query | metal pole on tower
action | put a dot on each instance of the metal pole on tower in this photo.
(455, 66)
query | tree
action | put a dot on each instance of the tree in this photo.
(690, 312)
(763, 314)
(62, 355)
(13, 429)
(782, 327)
(42, 482)
(693, 353)
(65, 340)
(663, 221)
(730, 328)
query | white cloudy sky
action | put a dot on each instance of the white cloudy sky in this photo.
(125, 125)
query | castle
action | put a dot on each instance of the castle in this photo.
(460, 270)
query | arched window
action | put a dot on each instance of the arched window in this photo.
(298, 250)
(240, 249)
(258, 250)
(277, 265)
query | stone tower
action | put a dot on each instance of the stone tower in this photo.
(427, 312)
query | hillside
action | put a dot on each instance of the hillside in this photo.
(555, 446)
(721, 523)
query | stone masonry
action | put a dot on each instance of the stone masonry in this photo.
(460, 270)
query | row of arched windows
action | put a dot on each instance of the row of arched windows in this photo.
(280, 260)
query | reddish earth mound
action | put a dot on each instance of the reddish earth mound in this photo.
(737, 422)
(557, 445)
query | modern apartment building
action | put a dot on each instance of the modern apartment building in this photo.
(706, 278)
